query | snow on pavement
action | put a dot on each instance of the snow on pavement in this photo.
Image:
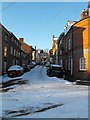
(45, 97)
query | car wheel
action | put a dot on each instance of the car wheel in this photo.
(48, 73)
(64, 76)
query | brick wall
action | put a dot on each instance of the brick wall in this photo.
(79, 35)
(0, 50)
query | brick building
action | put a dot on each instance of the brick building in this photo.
(59, 42)
(67, 48)
(0, 50)
(76, 48)
(54, 49)
(27, 49)
(10, 50)
(24, 58)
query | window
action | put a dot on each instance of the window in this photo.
(14, 52)
(60, 52)
(17, 62)
(17, 43)
(66, 45)
(66, 64)
(13, 62)
(69, 44)
(12, 39)
(5, 67)
(6, 37)
(69, 63)
(60, 42)
(82, 64)
(5, 51)
(18, 54)
(61, 62)
(11, 50)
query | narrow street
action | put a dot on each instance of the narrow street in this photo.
(44, 59)
(44, 97)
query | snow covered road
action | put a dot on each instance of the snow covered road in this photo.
(45, 97)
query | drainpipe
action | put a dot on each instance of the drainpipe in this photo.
(88, 45)
(72, 53)
(35, 53)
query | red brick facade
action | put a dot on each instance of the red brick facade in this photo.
(75, 46)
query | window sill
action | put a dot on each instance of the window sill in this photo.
(82, 70)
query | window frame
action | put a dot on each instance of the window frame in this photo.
(14, 52)
(11, 50)
(66, 46)
(5, 66)
(82, 64)
(6, 37)
(69, 63)
(12, 39)
(5, 51)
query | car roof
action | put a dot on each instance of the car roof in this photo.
(15, 67)
(54, 65)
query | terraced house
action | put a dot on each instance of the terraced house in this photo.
(76, 47)
(10, 48)
(0, 50)
(27, 49)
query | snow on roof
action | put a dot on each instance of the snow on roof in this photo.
(15, 67)
(33, 62)
(55, 38)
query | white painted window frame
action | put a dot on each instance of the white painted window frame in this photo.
(82, 65)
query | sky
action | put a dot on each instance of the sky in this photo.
(37, 22)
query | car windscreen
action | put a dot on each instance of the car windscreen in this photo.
(56, 68)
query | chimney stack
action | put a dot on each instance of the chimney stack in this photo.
(89, 8)
(21, 40)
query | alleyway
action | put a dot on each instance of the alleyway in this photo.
(44, 97)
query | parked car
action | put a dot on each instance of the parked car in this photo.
(15, 71)
(55, 70)
(47, 64)
(32, 64)
(26, 68)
